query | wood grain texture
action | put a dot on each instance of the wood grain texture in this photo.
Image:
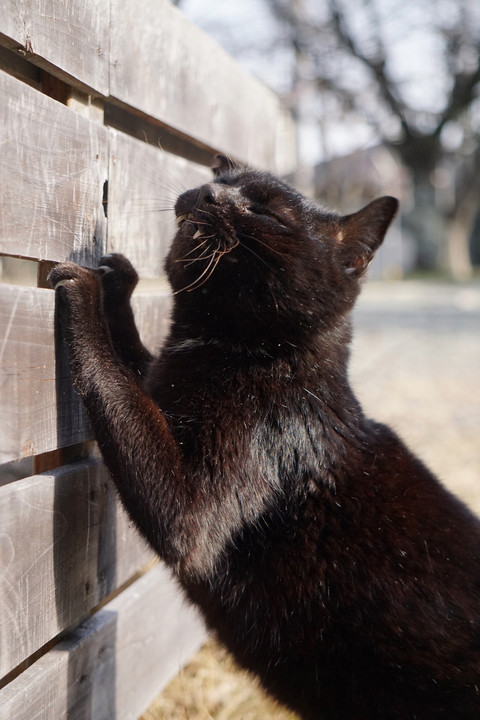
(115, 663)
(72, 36)
(39, 408)
(144, 183)
(65, 545)
(170, 70)
(53, 165)
(40, 411)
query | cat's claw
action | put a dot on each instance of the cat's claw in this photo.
(104, 269)
(61, 283)
(65, 274)
(117, 274)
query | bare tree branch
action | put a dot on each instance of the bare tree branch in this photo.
(377, 66)
(461, 95)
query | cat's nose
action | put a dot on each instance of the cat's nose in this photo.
(192, 199)
(208, 194)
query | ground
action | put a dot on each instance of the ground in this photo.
(416, 366)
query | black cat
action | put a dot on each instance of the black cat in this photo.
(327, 558)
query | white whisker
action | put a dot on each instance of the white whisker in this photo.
(197, 247)
(193, 285)
(266, 245)
(210, 273)
(202, 257)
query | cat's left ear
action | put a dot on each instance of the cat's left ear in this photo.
(222, 165)
(362, 233)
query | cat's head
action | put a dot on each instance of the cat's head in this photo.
(253, 257)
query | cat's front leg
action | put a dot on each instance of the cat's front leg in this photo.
(80, 314)
(135, 439)
(119, 278)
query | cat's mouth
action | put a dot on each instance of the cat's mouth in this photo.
(182, 218)
(202, 227)
(213, 241)
(199, 228)
(212, 229)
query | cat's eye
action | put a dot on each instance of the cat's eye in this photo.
(265, 212)
(224, 180)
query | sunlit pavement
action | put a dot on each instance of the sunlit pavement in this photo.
(416, 365)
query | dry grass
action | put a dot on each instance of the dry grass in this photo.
(213, 687)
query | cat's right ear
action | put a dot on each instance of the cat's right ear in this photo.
(361, 234)
(223, 164)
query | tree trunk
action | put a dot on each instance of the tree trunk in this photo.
(426, 224)
(458, 259)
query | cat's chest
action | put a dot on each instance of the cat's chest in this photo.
(247, 421)
(205, 381)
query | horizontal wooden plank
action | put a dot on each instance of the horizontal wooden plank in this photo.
(53, 166)
(144, 183)
(114, 664)
(39, 409)
(73, 37)
(170, 70)
(65, 545)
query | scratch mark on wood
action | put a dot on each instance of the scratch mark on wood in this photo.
(9, 327)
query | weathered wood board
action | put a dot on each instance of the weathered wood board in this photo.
(170, 70)
(39, 409)
(65, 545)
(53, 165)
(72, 37)
(144, 183)
(112, 665)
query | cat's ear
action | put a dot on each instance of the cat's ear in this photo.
(223, 164)
(362, 233)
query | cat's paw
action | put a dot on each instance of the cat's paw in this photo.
(118, 276)
(78, 297)
(72, 277)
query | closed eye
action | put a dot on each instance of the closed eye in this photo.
(225, 180)
(265, 212)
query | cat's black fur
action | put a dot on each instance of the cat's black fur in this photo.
(326, 556)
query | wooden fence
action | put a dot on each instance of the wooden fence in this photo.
(108, 108)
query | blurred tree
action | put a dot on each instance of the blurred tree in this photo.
(412, 72)
(400, 72)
